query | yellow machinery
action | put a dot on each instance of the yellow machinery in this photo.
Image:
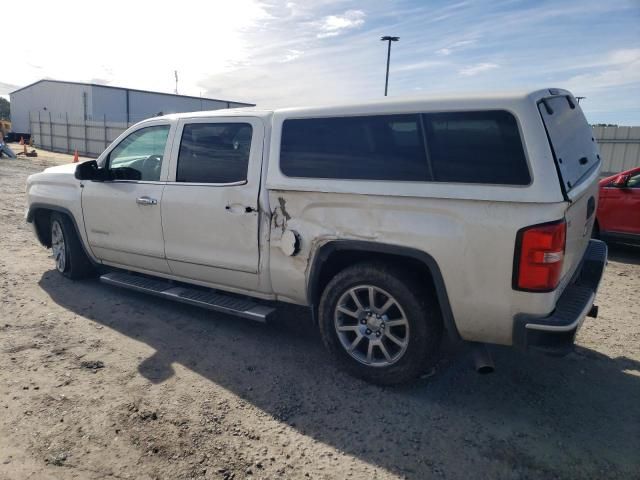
(5, 126)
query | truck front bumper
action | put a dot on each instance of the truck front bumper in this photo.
(556, 333)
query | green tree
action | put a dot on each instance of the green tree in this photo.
(4, 109)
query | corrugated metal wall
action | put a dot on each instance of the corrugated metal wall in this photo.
(144, 104)
(50, 99)
(58, 101)
(619, 148)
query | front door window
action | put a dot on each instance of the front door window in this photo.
(142, 151)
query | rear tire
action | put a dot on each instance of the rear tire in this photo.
(380, 324)
(68, 253)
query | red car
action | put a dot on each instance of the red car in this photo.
(618, 216)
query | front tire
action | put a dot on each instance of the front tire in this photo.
(68, 253)
(380, 324)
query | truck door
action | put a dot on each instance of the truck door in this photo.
(210, 203)
(621, 212)
(122, 217)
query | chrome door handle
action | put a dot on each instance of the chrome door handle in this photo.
(146, 201)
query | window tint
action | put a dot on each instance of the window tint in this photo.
(214, 153)
(571, 137)
(469, 147)
(142, 151)
(476, 147)
(383, 147)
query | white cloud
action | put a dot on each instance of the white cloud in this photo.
(333, 25)
(99, 81)
(291, 55)
(629, 55)
(477, 69)
(427, 64)
(455, 46)
(5, 88)
(197, 39)
(619, 67)
(286, 52)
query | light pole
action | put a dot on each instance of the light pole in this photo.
(388, 39)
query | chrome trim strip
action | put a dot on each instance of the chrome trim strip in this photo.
(198, 184)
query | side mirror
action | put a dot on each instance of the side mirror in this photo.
(88, 171)
(621, 181)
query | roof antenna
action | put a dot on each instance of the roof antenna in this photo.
(175, 72)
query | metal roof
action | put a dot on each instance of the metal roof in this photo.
(130, 90)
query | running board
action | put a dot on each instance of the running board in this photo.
(209, 299)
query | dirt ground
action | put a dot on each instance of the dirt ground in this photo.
(97, 382)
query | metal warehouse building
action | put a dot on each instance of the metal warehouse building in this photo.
(52, 100)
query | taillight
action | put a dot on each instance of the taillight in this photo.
(539, 257)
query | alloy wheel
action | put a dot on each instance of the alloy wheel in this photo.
(371, 326)
(58, 246)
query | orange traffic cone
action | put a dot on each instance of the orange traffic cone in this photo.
(21, 141)
(75, 157)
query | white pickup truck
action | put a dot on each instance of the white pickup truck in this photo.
(394, 221)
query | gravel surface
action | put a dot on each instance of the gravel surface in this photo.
(97, 382)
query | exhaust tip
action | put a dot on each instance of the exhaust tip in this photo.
(482, 360)
(485, 369)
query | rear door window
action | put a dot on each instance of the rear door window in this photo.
(571, 138)
(476, 147)
(377, 147)
(464, 147)
(214, 153)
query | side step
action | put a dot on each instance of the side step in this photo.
(209, 299)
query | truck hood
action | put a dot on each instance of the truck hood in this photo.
(58, 174)
(66, 168)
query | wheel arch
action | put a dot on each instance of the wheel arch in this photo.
(39, 215)
(335, 255)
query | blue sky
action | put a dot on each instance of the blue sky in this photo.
(284, 53)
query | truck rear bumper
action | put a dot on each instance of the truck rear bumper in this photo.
(556, 333)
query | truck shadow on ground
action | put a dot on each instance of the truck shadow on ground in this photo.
(535, 416)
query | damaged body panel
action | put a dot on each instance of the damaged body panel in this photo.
(456, 233)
